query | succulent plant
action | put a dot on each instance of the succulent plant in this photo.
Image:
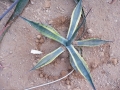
(76, 60)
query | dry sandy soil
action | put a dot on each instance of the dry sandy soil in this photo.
(104, 61)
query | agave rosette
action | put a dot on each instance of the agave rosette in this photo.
(76, 60)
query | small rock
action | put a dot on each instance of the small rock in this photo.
(42, 40)
(63, 73)
(62, 59)
(50, 77)
(90, 31)
(38, 36)
(67, 82)
(50, 22)
(58, 61)
(47, 4)
(46, 76)
(55, 77)
(93, 65)
(55, 64)
(37, 41)
(41, 75)
(114, 61)
(32, 2)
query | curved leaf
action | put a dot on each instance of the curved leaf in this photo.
(18, 10)
(80, 64)
(78, 28)
(75, 18)
(47, 31)
(90, 42)
(48, 58)
(10, 8)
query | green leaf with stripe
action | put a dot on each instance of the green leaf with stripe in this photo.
(75, 18)
(90, 42)
(49, 58)
(47, 31)
(18, 9)
(80, 64)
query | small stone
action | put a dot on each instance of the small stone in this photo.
(47, 4)
(62, 59)
(46, 76)
(38, 36)
(42, 40)
(41, 75)
(55, 77)
(55, 64)
(50, 77)
(50, 22)
(67, 82)
(90, 31)
(93, 65)
(37, 41)
(32, 2)
(114, 61)
(63, 73)
(58, 61)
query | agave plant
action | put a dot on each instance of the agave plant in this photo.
(77, 61)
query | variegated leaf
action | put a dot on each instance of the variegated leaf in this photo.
(90, 42)
(47, 31)
(48, 58)
(75, 18)
(80, 64)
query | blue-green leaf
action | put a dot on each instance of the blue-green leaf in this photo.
(48, 58)
(75, 18)
(90, 42)
(47, 31)
(80, 64)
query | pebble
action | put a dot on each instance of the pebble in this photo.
(38, 36)
(90, 31)
(50, 77)
(32, 2)
(62, 59)
(42, 40)
(63, 73)
(56, 77)
(37, 41)
(47, 4)
(58, 61)
(41, 75)
(114, 61)
(93, 65)
(67, 82)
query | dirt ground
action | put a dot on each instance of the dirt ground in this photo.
(104, 61)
